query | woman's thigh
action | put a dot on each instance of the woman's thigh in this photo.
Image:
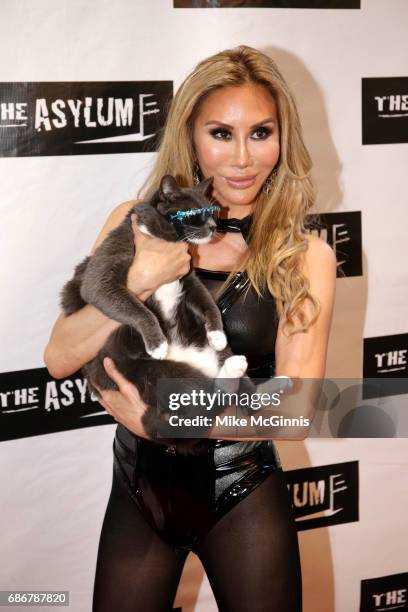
(135, 569)
(251, 555)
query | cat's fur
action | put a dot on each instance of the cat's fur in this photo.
(177, 332)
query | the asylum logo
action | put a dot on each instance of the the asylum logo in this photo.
(384, 593)
(303, 4)
(386, 362)
(324, 495)
(385, 110)
(34, 403)
(80, 118)
(342, 231)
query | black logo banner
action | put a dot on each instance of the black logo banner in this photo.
(303, 4)
(385, 110)
(342, 230)
(324, 495)
(82, 118)
(386, 359)
(33, 403)
(385, 593)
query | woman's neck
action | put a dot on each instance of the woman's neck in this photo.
(232, 211)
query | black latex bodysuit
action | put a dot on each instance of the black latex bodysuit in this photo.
(183, 496)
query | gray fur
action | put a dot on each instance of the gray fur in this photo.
(101, 280)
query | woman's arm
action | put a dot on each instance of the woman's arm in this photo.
(77, 338)
(303, 355)
(127, 407)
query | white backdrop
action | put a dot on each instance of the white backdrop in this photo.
(54, 489)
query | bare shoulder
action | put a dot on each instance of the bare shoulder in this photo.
(114, 219)
(119, 212)
(319, 257)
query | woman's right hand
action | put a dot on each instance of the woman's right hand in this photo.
(156, 261)
(125, 405)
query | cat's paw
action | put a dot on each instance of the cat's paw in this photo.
(235, 366)
(160, 352)
(217, 339)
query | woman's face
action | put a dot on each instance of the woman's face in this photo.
(236, 138)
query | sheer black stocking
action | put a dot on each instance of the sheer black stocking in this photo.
(251, 556)
(135, 569)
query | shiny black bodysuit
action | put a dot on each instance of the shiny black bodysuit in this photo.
(182, 499)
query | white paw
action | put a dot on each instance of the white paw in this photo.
(235, 366)
(160, 352)
(217, 339)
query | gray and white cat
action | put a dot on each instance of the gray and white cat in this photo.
(178, 331)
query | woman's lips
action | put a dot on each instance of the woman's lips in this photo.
(241, 183)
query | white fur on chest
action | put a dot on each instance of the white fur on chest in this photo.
(204, 359)
(168, 297)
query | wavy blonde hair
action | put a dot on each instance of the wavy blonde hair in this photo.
(278, 234)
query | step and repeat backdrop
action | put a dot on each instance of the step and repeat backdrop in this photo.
(84, 90)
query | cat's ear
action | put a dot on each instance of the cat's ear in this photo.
(168, 187)
(205, 186)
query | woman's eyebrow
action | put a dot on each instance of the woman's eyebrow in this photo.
(226, 125)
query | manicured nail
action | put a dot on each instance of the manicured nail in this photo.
(108, 362)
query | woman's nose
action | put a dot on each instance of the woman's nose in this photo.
(242, 156)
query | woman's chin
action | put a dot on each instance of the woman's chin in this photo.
(237, 197)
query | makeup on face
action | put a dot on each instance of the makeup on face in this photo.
(236, 137)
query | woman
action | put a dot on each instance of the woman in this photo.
(235, 119)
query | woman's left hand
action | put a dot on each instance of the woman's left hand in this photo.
(125, 405)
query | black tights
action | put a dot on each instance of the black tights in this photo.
(251, 556)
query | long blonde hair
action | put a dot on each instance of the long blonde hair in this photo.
(278, 234)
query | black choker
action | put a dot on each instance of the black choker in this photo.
(235, 225)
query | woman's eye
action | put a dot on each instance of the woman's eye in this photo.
(263, 133)
(220, 133)
(260, 133)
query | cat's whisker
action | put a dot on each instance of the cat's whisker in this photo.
(190, 235)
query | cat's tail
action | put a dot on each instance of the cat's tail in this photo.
(70, 296)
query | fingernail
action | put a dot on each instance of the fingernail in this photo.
(108, 362)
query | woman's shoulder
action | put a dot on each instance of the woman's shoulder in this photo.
(318, 256)
(318, 245)
(114, 219)
(120, 211)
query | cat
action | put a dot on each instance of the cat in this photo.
(178, 331)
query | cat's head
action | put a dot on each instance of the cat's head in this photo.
(180, 213)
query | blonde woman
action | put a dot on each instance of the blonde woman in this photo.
(233, 118)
